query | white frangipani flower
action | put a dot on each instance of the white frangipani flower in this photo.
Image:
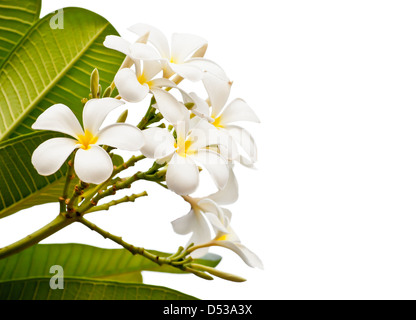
(133, 86)
(223, 117)
(189, 148)
(177, 57)
(230, 240)
(92, 163)
(219, 218)
(205, 211)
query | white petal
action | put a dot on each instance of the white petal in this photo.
(193, 222)
(171, 109)
(51, 154)
(246, 162)
(129, 87)
(208, 205)
(202, 134)
(162, 82)
(249, 257)
(122, 136)
(201, 233)
(183, 45)
(142, 51)
(227, 146)
(201, 107)
(209, 66)
(238, 110)
(229, 194)
(190, 72)
(227, 216)
(181, 129)
(96, 110)
(118, 43)
(186, 98)
(182, 175)
(216, 166)
(184, 224)
(245, 140)
(59, 118)
(158, 143)
(194, 121)
(214, 213)
(156, 37)
(151, 68)
(128, 61)
(218, 92)
(93, 165)
(215, 222)
(164, 160)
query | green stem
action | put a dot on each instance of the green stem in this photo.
(78, 191)
(150, 114)
(215, 272)
(134, 250)
(69, 177)
(91, 193)
(106, 206)
(52, 227)
(204, 245)
(151, 175)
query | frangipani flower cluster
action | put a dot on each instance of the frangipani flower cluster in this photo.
(184, 132)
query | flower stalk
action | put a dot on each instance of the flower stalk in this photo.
(54, 226)
(69, 177)
(112, 203)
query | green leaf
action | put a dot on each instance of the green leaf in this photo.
(86, 289)
(79, 260)
(16, 17)
(117, 160)
(54, 66)
(21, 186)
(45, 67)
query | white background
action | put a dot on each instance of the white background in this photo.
(330, 209)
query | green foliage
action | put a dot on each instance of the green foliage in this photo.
(21, 187)
(90, 273)
(79, 260)
(86, 289)
(15, 20)
(42, 67)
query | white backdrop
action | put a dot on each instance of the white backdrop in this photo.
(330, 209)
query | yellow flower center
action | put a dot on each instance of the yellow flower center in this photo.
(182, 147)
(222, 238)
(87, 139)
(217, 122)
(142, 79)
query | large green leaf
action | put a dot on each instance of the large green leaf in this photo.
(21, 187)
(86, 289)
(79, 260)
(89, 273)
(48, 66)
(53, 66)
(16, 17)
